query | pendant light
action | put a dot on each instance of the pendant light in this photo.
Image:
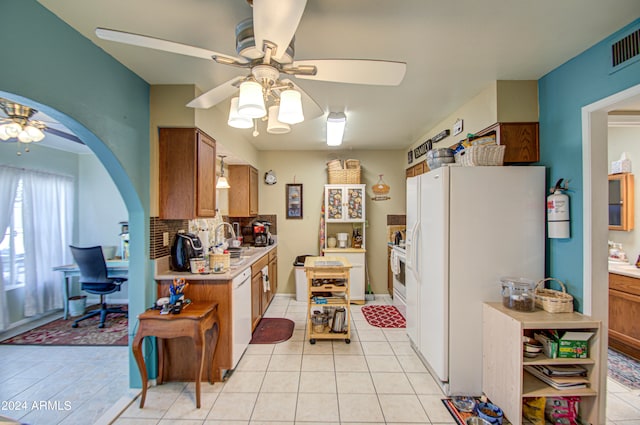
(336, 121)
(274, 126)
(222, 180)
(235, 119)
(290, 107)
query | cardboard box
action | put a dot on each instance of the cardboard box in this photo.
(574, 345)
(549, 345)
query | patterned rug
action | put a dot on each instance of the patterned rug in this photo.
(624, 369)
(272, 330)
(383, 316)
(60, 332)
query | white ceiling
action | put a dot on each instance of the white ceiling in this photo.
(453, 50)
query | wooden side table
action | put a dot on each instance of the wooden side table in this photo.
(195, 322)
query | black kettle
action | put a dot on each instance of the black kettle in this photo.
(185, 247)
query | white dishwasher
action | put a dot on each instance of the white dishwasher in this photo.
(241, 314)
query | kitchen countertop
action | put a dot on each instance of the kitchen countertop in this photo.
(249, 256)
(337, 251)
(624, 269)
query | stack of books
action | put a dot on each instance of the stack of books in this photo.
(561, 377)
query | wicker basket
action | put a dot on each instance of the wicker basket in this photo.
(551, 300)
(224, 259)
(334, 164)
(350, 176)
(481, 155)
(352, 164)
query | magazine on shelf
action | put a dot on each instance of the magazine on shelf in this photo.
(562, 370)
(558, 382)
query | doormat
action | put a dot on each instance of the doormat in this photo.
(383, 316)
(272, 330)
(60, 332)
(623, 369)
(461, 417)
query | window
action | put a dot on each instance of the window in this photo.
(12, 247)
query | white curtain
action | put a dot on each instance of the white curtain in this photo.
(9, 178)
(47, 220)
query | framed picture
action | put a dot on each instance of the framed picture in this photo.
(294, 201)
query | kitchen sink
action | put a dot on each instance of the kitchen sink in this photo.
(235, 262)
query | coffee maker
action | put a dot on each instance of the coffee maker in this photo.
(185, 247)
(260, 234)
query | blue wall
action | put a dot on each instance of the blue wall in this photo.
(562, 94)
(50, 66)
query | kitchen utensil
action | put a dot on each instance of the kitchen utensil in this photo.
(339, 319)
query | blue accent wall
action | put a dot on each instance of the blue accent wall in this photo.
(50, 66)
(563, 93)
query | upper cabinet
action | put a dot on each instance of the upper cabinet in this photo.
(186, 174)
(621, 201)
(344, 202)
(417, 169)
(243, 195)
(520, 138)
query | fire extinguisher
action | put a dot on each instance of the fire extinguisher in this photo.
(558, 217)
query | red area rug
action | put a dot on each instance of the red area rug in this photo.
(384, 316)
(272, 330)
(60, 332)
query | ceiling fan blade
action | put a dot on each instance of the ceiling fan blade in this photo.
(160, 44)
(355, 71)
(276, 21)
(68, 136)
(310, 107)
(216, 95)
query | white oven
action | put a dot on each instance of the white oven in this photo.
(398, 260)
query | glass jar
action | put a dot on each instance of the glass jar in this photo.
(518, 293)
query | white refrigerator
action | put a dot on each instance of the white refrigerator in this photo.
(466, 228)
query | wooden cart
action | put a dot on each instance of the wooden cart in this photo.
(327, 280)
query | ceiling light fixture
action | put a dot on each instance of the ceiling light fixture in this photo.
(222, 180)
(336, 122)
(19, 124)
(260, 93)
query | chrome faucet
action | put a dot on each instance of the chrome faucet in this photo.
(224, 223)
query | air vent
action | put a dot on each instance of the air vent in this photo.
(622, 51)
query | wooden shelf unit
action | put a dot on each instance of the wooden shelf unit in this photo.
(315, 269)
(621, 202)
(504, 380)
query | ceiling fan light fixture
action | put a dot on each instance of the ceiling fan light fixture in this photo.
(235, 119)
(336, 122)
(290, 107)
(12, 129)
(274, 126)
(34, 133)
(251, 100)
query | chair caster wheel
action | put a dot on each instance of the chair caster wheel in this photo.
(348, 341)
(312, 341)
(101, 325)
(75, 325)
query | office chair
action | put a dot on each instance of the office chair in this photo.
(94, 280)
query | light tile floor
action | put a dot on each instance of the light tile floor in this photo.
(377, 379)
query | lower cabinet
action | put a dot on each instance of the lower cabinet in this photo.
(263, 290)
(256, 299)
(505, 380)
(624, 314)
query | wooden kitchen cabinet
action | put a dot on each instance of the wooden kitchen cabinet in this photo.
(624, 314)
(417, 169)
(504, 380)
(259, 297)
(621, 202)
(243, 195)
(186, 174)
(273, 272)
(520, 138)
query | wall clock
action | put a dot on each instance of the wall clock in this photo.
(270, 177)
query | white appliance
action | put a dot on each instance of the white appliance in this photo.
(241, 315)
(467, 227)
(398, 269)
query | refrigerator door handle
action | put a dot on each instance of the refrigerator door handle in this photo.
(416, 254)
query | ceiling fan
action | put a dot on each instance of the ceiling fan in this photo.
(19, 124)
(265, 47)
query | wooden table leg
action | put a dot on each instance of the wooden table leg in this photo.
(200, 347)
(137, 353)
